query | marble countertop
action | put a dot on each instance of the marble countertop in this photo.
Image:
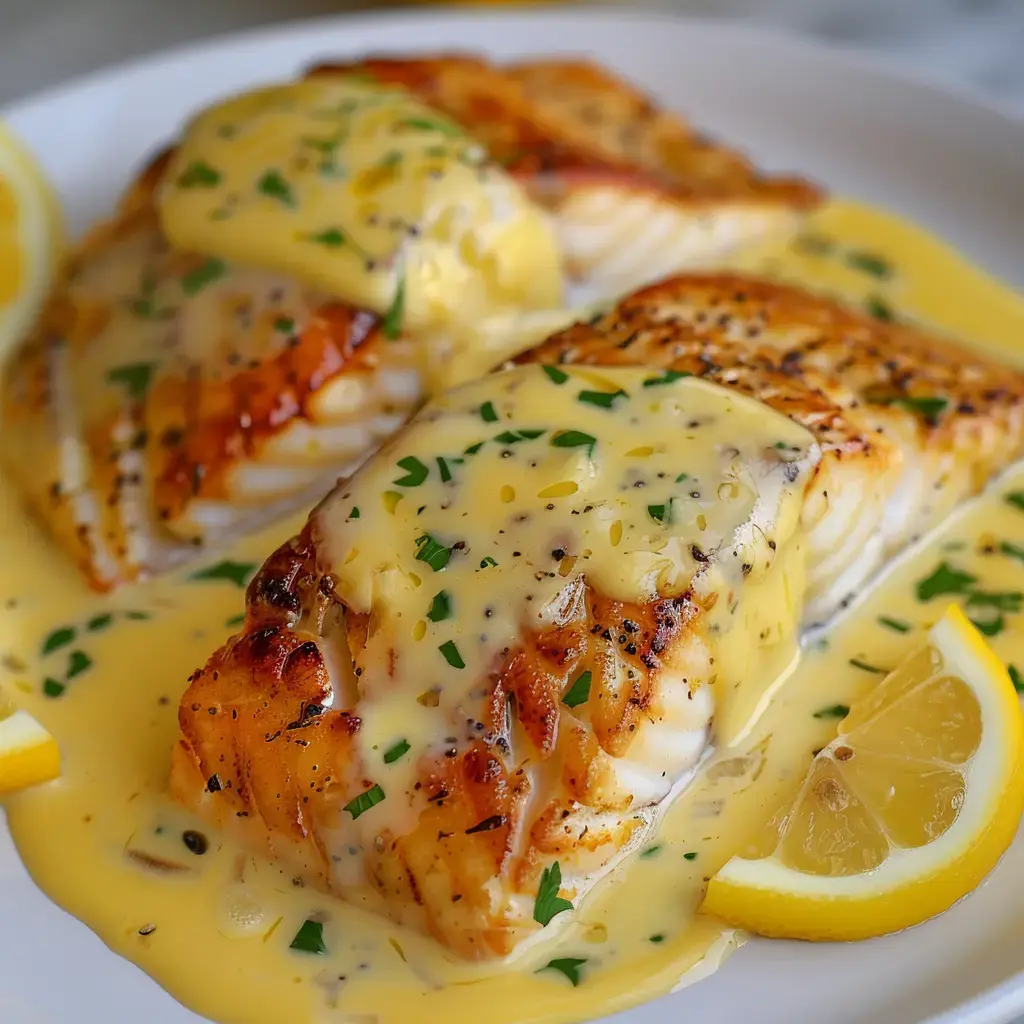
(973, 44)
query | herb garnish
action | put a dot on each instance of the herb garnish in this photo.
(1016, 499)
(474, 448)
(944, 580)
(488, 413)
(451, 654)
(1005, 601)
(435, 555)
(424, 124)
(1015, 678)
(98, 622)
(866, 667)
(443, 470)
(52, 687)
(394, 316)
(833, 711)
(656, 938)
(309, 938)
(134, 376)
(650, 851)
(58, 638)
(274, 186)
(236, 572)
(78, 662)
(573, 439)
(661, 514)
(548, 903)
(396, 752)
(879, 309)
(415, 472)
(354, 514)
(362, 803)
(602, 399)
(1011, 550)
(579, 692)
(199, 174)
(692, 855)
(931, 407)
(333, 238)
(196, 280)
(666, 378)
(897, 625)
(440, 607)
(869, 262)
(569, 966)
(990, 627)
(555, 375)
(486, 561)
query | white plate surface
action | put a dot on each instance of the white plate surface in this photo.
(949, 162)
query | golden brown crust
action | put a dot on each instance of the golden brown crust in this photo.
(560, 125)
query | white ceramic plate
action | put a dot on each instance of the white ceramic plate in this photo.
(949, 162)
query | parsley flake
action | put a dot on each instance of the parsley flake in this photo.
(661, 514)
(944, 580)
(869, 263)
(440, 607)
(135, 377)
(199, 174)
(650, 851)
(78, 662)
(692, 855)
(879, 309)
(573, 439)
(486, 561)
(666, 378)
(555, 375)
(602, 399)
(53, 687)
(548, 903)
(451, 654)
(579, 692)
(569, 966)
(488, 413)
(274, 186)
(208, 272)
(362, 803)
(98, 622)
(931, 407)
(333, 238)
(394, 316)
(58, 638)
(867, 667)
(1012, 550)
(415, 472)
(833, 711)
(396, 752)
(1016, 499)
(1015, 678)
(896, 625)
(309, 938)
(430, 551)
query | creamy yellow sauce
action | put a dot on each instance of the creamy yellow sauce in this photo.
(109, 693)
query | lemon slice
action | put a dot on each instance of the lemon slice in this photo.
(30, 240)
(902, 814)
(28, 753)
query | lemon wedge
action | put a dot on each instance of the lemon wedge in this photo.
(28, 753)
(902, 814)
(30, 240)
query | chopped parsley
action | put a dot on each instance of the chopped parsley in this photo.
(354, 514)
(474, 448)
(548, 903)
(208, 272)
(1016, 499)
(515, 436)
(58, 638)
(815, 245)
(394, 315)
(867, 667)
(897, 625)
(602, 399)
(666, 378)
(1011, 550)
(692, 855)
(650, 851)
(931, 407)
(274, 186)
(362, 803)
(869, 263)
(488, 413)
(879, 309)
(309, 938)
(1015, 678)
(443, 470)
(451, 654)
(661, 514)
(78, 662)
(199, 174)
(833, 711)
(98, 622)
(569, 966)
(135, 377)
(555, 375)
(944, 580)
(429, 124)
(991, 626)
(682, 477)
(234, 572)
(579, 692)
(573, 439)
(284, 324)
(396, 752)
(415, 472)
(440, 607)
(53, 687)
(430, 551)
(333, 238)
(486, 561)
(1006, 601)
(656, 938)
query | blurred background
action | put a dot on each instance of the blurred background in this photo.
(973, 44)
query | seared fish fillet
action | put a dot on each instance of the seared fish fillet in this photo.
(260, 313)
(909, 424)
(491, 657)
(636, 192)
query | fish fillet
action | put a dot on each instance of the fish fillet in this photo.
(483, 668)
